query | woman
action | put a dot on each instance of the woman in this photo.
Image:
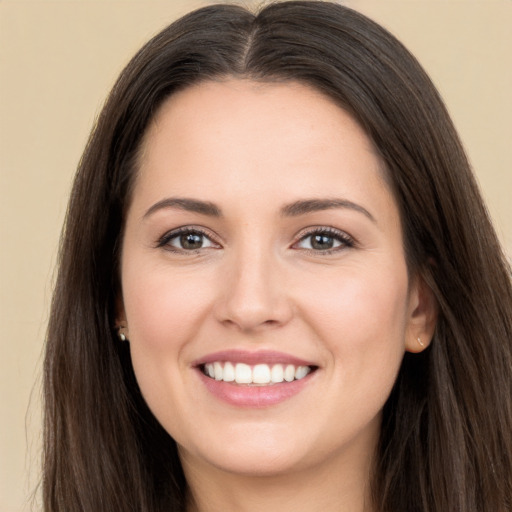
(278, 283)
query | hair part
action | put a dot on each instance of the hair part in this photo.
(446, 441)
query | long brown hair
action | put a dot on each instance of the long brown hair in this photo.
(446, 442)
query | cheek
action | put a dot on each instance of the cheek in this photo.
(163, 308)
(361, 315)
(164, 311)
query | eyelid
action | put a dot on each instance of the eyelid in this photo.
(346, 240)
(163, 241)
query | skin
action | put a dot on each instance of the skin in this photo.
(256, 283)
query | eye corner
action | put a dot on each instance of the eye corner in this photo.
(188, 240)
(323, 240)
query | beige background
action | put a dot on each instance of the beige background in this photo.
(57, 62)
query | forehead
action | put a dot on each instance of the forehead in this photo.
(274, 104)
(253, 138)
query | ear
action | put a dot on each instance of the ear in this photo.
(422, 316)
(121, 323)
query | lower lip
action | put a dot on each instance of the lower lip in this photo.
(254, 396)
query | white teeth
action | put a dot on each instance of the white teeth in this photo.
(243, 373)
(259, 374)
(217, 371)
(301, 372)
(277, 374)
(289, 373)
(229, 373)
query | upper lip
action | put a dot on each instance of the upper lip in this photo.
(252, 358)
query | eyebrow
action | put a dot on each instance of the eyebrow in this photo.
(294, 209)
(189, 205)
(314, 205)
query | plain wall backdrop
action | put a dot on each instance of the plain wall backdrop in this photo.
(58, 59)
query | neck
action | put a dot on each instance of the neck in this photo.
(325, 487)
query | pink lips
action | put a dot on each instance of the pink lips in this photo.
(253, 396)
(243, 356)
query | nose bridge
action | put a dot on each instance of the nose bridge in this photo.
(254, 295)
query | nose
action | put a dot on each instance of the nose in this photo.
(254, 296)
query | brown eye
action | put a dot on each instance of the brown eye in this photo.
(186, 240)
(191, 241)
(325, 240)
(322, 242)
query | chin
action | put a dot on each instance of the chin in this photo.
(251, 455)
(260, 464)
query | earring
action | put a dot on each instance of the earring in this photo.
(420, 342)
(120, 333)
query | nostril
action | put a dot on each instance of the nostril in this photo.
(253, 298)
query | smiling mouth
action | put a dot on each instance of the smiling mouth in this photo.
(256, 375)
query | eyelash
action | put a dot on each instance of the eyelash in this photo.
(345, 241)
(165, 240)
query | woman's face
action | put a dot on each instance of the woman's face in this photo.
(265, 290)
